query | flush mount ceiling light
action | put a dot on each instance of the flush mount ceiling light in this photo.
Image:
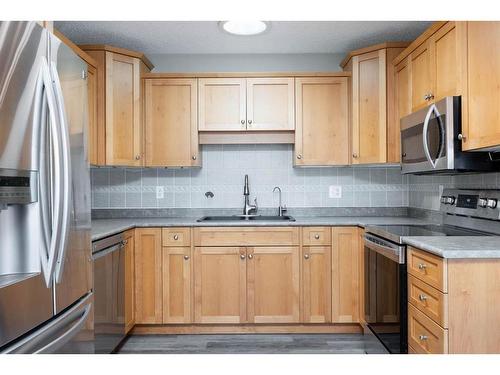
(245, 28)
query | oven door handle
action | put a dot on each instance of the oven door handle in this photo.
(425, 130)
(385, 248)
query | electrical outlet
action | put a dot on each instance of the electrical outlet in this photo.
(335, 191)
(160, 192)
(441, 187)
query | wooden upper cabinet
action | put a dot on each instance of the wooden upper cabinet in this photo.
(481, 115)
(421, 76)
(177, 284)
(171, 122)
(148, 276)
(322, 123)
(119, 119)
(316, 284)
(270, 104)
(273, 284)
(403, 89)
(93, 137)
(345, 275)
(129, 280)
(222, 104)
(220, 285)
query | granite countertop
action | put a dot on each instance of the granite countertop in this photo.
(106, 227)
(458, 247)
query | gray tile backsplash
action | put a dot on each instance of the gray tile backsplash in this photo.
(267, 166)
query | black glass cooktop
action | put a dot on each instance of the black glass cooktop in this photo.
(395, 232)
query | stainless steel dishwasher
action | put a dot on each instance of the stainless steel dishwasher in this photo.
(109, 292)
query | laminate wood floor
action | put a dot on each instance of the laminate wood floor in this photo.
(252, 344)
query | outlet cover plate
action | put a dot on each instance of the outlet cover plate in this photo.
(160, 192)
(335, 191)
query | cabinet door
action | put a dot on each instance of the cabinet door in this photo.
(123, 118)
(270, 104)
(177, 284)
(322, 125)
(129, 281)
(345, 275)
(446, 62)
(316, 284)
(273, 284)
(220, 285)
(222, 104)
(93, 135)
(148, 285)
(403, 89)
(481, 109)
(171, 123)
(369, 112)
(421, 76)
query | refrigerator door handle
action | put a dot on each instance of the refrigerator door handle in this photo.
(66, 174)
(48, 256)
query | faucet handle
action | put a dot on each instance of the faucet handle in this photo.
(255, 202)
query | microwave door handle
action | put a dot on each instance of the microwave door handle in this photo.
(425, 140)
(65, 172)
(48, 256)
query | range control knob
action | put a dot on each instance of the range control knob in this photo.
(482, 202)
(492, 203)
(448, 200)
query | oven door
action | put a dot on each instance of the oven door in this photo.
(426, 145)
(385, 292)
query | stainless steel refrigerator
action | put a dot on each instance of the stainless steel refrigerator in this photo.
(45, 244)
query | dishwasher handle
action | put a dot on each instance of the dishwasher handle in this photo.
(386, 248)
(108, 250)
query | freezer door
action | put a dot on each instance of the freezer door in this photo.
(73, 274)
(68, 332)
(23, 47)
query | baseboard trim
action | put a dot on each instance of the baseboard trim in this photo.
(193, 329)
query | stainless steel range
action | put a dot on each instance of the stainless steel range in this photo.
(465, 213)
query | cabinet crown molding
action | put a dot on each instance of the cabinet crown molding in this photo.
(121, 51)
(372, 48)
(243, 74)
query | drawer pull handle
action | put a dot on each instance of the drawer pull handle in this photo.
(176, 237)
(422, 337)
(316, 236)
(422, 297)
(186, 257)
(422, 266)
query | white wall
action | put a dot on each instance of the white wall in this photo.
(246, 63)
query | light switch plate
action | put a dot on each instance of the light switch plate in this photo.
(335, 191)
(160, 192)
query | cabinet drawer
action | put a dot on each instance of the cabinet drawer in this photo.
(250, 236)
(429, 300)
(424, 335)
(176, 237)
(316, 236)
(428, 268)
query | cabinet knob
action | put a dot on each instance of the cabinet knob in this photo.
(354, 155)
(242, 256)
(316, 236)
(186, 257)
(461, 137)
(193, 157)
(299, 156)
(125, 242)
(250, 122)
(422, 337)
(250, 256)
(242, 122)
(431, 96)
(176, 237)
(422, 297)
(137, 157)
(306, 256)
(422, 266)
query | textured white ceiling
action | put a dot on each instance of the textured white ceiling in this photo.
(205, 37)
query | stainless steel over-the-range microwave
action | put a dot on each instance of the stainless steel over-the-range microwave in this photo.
(431, 142)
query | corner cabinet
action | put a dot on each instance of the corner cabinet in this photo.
(322, 124)
(375, 131)
(171, 122)
(246, 104)
(119, 118)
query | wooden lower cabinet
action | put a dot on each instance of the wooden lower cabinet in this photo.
(129, 280)
(148, 276)
(177, 284)
(220, 285)
(316, 284)
(345, 275)
(273, 284)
